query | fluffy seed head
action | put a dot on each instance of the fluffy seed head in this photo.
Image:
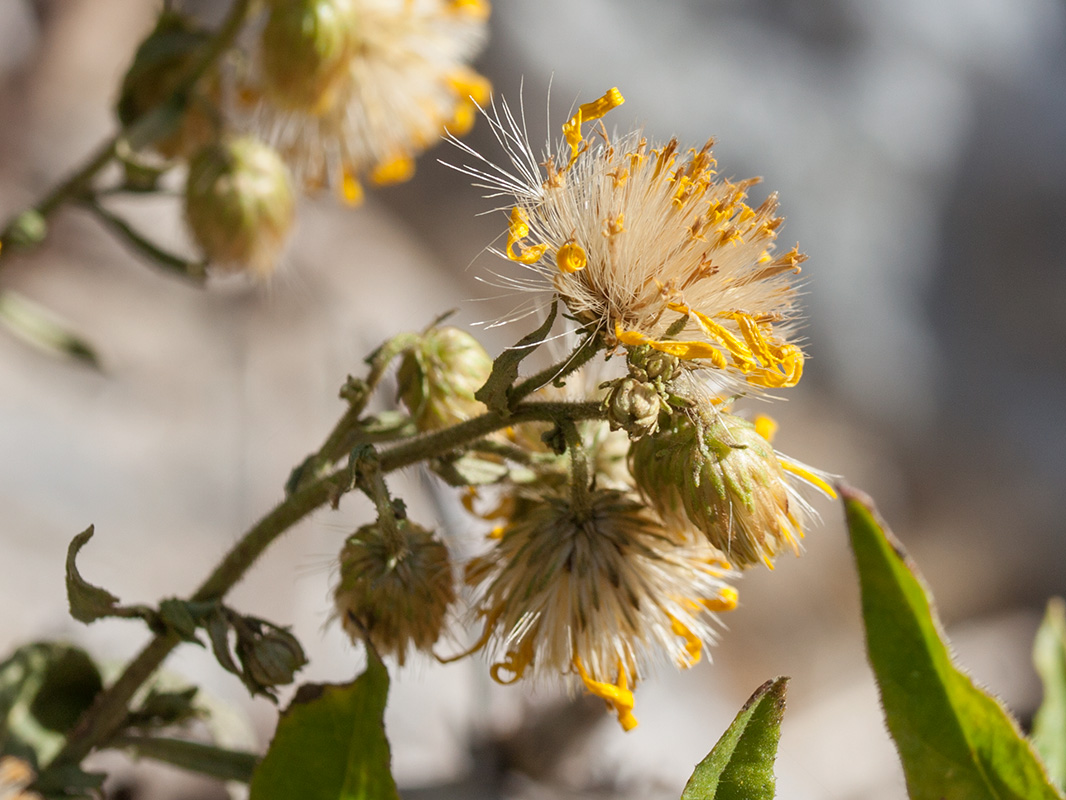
(384, 79)
(723, 478)
(395, 587)
(648, 244)
(597, 595)
(439, 375)
(239, 204)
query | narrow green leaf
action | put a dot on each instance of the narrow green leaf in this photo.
(34, 324)
(496, 393)
(89, 603)
(1049, 724)
(741, 764)
(955, 741)
(330, 744)
(205, 759)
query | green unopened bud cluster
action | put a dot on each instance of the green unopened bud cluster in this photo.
(722, 478)
(239, 204)
(439, 375)
(396, 586)
(634, 403)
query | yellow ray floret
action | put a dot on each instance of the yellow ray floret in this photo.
(693, 645)
(516, 232)
(395, 170)
(571, 257)
(618, 697)
(515, 662)
(807, 475)
(586, 113)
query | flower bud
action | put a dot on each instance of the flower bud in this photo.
(439, 375)
(159, 66)
(395, 588)
(270, 656)
(653, 366)
(239, 204)
(306, 48)
(633, 406)
(725, 480)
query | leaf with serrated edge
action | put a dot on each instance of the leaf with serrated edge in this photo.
(1049, 724)
(956, 742)
(330, 744)
(741, 765)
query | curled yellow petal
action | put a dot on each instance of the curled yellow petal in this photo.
(395, 170)
(808, 475)
(586, 113)
(518, 230)
(693, 645)
(726, 600)
(571, 257)
(766, 427)
(618, 698)
(351, 190)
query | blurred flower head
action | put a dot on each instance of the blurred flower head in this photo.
(648, 245)
(596, 595)
(353, 88)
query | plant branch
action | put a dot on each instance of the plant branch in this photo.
(108, 712)
(578, 358)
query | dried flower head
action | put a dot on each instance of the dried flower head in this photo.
(646, 244)
(595, 594)
(395, 587)
(722, 476)
(347, 88)
(439, 375)
(239, 204)
(16, 775)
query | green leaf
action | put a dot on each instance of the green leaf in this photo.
(44, 688)
(955, 741)
(205, 759)
(37, 326)
(330, 743)
(89, 603)
(496, 393)
(1049, 724)
(741, 765)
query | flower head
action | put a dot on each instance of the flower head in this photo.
(347, 88)
(439, 375)
(646, 244)
(596, 595)
(395, 587)
(722, 477)
(239, 204)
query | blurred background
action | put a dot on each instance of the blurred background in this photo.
(919, 149)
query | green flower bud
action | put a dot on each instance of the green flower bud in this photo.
(634, 407)
(271, 656)
(160, 64)
(239, 204)
(653, 366)
(395, 588)
(439, 375)
(726, 481)
(306, 48)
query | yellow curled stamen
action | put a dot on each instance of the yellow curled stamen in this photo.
(807, 475)
(395, 170)
(518, 230)
(618, 698)
(693, 645)
(586, 113)
(683, 350)
(741, 354)
(514, 662)
(766, 427)
(351, 189)
(571, 257)
(726, 600)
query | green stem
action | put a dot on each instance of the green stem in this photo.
(578, 358)
(107, 713)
